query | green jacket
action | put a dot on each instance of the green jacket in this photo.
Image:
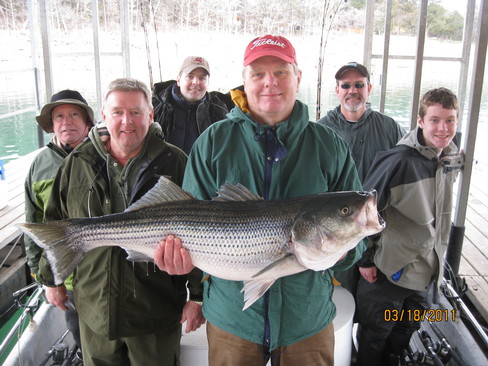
(309, 159)
(115, 297)
(38, 184)
(372, 133)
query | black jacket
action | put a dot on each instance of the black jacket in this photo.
(189, 120)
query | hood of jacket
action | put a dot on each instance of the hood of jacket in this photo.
(287, 132)
(99, 136)
(415, 140)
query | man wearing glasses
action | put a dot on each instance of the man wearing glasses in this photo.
(364, 130)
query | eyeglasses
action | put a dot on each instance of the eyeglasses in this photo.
(357, 85)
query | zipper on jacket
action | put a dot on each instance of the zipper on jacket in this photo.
(274, 152)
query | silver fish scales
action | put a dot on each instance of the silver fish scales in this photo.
(237, 236)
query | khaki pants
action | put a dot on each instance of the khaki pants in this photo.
(226, 349)
(156, 349)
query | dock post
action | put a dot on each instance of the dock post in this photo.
(454, 249)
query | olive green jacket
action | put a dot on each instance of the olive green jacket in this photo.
(38, 184)
(115, 297)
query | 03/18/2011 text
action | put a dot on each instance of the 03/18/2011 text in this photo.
(432, 315)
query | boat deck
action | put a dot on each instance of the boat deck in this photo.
(473, 266)
(12, 255)
(474, 260)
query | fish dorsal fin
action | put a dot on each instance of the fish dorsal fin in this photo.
(163, 191)
(232, 192)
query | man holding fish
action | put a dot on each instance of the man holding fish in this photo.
(130, 313)
(269, 146)
(277, 250)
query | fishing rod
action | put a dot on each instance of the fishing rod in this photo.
(323, 44)
(454, 352)
(431, 347)
(453, 295)
(146, 39)
(58, 352)
(32, 304)
(157, 39)
(321, 58)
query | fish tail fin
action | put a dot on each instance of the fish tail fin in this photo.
(61, 248)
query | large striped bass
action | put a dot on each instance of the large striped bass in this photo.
(236, 236)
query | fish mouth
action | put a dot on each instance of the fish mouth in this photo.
(373, 218)
(381, 221)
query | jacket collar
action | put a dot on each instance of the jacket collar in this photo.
(365, 115)
(287, 132)
(415, 140)
(99, 137)
(178, 98)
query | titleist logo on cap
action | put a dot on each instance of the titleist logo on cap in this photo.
(269, 45)
(267, 41)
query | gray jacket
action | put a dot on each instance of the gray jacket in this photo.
(414, 188)
(372, 133)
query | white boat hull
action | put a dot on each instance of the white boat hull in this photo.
(38, 338)
(50, 325)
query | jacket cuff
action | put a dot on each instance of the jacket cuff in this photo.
(197, 299)
(367, 260)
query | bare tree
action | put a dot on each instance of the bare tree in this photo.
(233, 16)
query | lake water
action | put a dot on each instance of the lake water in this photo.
(73, 67)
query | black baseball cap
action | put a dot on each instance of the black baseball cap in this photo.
(352, 66)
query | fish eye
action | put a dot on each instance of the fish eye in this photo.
(346, 210)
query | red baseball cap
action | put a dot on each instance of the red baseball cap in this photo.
(270, 45)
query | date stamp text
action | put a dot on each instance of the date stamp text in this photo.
(431, 315)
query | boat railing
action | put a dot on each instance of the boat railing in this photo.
(456, 300)
(11, 250)
(29, 309)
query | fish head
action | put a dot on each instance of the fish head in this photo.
(331, 224)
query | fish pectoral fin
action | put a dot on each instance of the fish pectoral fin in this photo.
(232, 192)
(135, 256)
(253, 290)
(273, 265)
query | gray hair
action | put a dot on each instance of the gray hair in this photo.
(128, 84)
